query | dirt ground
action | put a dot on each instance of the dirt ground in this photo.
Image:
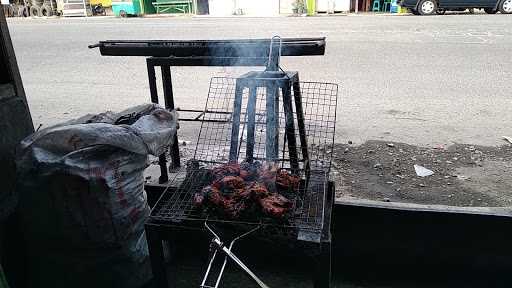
(464, 175)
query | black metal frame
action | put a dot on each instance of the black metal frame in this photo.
(319, 252)
(254, 52)
(168, 53)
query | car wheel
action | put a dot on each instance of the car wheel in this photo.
(429, 7)
(490, 11)
(440, 11)
(35, 11)
(415, 12)
(46, 11)
(506, 6)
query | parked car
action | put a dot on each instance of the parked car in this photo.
(429, 7)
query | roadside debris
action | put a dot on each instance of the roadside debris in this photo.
(508, 139)
(486, 167)
(422, 171)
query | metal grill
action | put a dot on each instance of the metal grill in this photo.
(319, 101)
(307, 213)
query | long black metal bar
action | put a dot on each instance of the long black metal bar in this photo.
(162, 160)
(290, 128)
(216, 48)
(300, 121)
(251, 123)
(272, 129)
(235, 130)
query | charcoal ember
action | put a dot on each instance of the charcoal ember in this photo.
(250, 171)
(275, 205)
(230, 169)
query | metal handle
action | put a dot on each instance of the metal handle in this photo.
(227, 251)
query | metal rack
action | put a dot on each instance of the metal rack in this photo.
(234, 132)
(215, 146)
(168, 53)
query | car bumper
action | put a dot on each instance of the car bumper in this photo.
(408, 3)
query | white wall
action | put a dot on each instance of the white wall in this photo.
(259, 7)
(221, 7)
(331, 6)
(248, 7)
(287, 6)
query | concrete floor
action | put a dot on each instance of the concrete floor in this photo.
(419, 80)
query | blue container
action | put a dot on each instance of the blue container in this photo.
(394, 7)
(126, 8)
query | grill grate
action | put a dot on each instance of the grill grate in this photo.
(307, 212)
(319, 102)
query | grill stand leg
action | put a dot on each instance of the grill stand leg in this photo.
(169, 104)
(322, 266)
(300, 122)
(162, 161)
(156, 256)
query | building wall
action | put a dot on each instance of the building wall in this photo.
(258, 8)
(331, 6)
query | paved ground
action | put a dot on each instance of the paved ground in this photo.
(418, 80)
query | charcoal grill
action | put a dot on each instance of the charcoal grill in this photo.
(261, 116)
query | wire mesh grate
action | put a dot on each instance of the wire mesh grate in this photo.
(319, 101)
(307, 212)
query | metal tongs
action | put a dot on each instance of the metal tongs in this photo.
(218, 245)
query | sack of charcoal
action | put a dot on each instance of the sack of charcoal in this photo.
(82, 200)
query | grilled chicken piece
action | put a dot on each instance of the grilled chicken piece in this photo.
(285, 180)
(276, 178)
(256, 191)
(208, 195)
(275, 205)
(239, 189)
(230, 169)
(233, 208)
(229, 184)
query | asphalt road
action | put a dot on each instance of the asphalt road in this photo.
(419, 80)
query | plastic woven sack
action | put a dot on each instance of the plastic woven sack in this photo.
(82, 197)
